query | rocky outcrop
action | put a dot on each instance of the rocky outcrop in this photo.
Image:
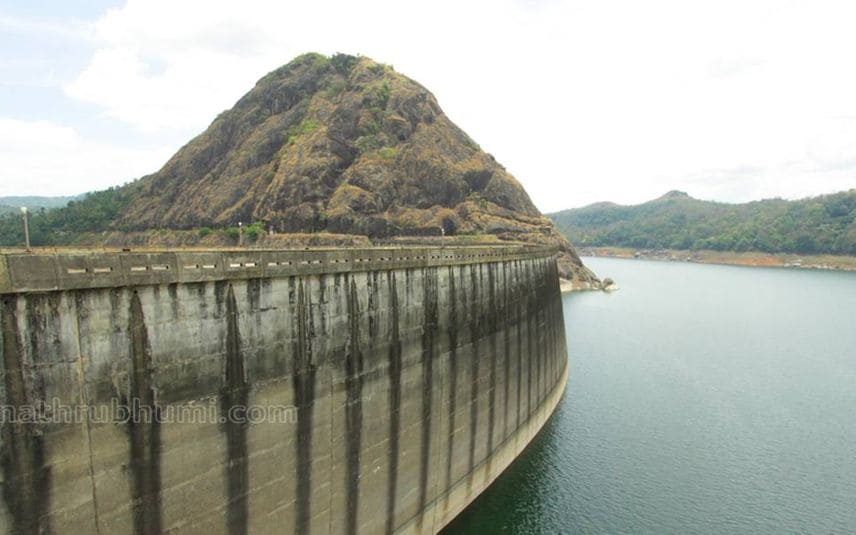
(348, 146)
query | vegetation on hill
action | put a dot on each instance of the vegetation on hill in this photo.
(341, 144)
(91, 213)
(824, 224)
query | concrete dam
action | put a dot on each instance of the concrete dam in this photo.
(375, 390)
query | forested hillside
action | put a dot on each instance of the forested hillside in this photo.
(824, 224)
(91, 212)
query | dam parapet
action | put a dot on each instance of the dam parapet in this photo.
(252, 391)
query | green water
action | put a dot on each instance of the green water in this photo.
(701, 399)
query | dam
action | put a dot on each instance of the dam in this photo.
(358, 390)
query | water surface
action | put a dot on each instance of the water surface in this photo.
(701, 399)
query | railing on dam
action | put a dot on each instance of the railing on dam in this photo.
(26, 272)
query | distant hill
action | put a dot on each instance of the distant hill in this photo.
(816, 225)
(340, 144)
(33, 203)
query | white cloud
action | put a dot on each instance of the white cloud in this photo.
(44, 158)
(582, 101)
(190, 90)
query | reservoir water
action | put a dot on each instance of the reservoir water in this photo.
(701, 399)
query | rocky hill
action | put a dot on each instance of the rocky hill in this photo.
(342, 145)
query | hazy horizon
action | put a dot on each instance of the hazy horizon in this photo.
(6, 198)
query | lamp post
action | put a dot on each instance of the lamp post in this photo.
(240, 234)
(26, 227)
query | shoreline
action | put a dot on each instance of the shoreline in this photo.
(751, 259)
(566, 286)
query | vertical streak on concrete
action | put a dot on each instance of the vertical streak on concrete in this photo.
(556, 322)
(172, 290)
(329, 388)
(553, 323)
(539, 350)
(475, 334)
(26, 480)
(233, 404)
(453, 379)
(394, 404)
(543, 327)
(373, 307)
(303, 385)
(551, 339)
(429, 335)
(506, 347)
(254, 295)
(548, 329)
(560, 330)
(529, 338)
(84, 398)
(37, 315)
(548, 337)
(493, 318)
(518, 319)
(353, 409)
(143, 427)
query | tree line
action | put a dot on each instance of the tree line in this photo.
(95, 212)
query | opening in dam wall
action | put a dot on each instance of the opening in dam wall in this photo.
(320, 391)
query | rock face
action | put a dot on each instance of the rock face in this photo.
(343, 145)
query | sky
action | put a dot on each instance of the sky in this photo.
(583, 101)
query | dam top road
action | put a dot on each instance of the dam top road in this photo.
(416, 375)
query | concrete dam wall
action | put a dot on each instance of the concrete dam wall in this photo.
(319, 391)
